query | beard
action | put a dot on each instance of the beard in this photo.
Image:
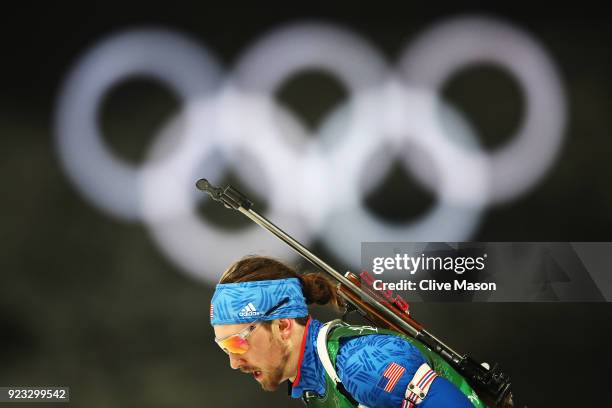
(268, 379)
(271, 378)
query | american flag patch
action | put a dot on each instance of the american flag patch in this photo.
(211, 311)
(391, 376)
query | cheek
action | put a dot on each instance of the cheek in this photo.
(277, 353)
(267, 353)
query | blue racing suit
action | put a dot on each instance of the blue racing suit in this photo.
(375, 371)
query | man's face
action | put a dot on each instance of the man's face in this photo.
(266, 358)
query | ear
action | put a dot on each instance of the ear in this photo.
(285, 327)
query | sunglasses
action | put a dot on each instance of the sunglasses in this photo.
(237, 343)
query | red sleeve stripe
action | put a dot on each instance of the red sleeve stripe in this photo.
(302, 347)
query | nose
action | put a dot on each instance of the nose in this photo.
(236, 361)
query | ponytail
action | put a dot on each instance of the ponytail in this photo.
(319, 289)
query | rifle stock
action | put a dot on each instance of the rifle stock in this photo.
(494, 392)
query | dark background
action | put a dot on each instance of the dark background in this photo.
(88, 301)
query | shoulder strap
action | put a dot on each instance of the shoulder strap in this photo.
(323, 354)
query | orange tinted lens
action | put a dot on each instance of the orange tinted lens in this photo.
(234, 344)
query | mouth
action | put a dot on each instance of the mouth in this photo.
(257, 375)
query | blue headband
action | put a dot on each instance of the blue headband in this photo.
(246, 302)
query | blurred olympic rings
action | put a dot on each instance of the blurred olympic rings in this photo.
(314, 185)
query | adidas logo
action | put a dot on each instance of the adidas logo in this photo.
(248, 311)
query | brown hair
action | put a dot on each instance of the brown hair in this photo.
(316, 287)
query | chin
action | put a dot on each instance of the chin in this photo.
(267, 385)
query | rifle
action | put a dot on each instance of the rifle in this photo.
(383, 310)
